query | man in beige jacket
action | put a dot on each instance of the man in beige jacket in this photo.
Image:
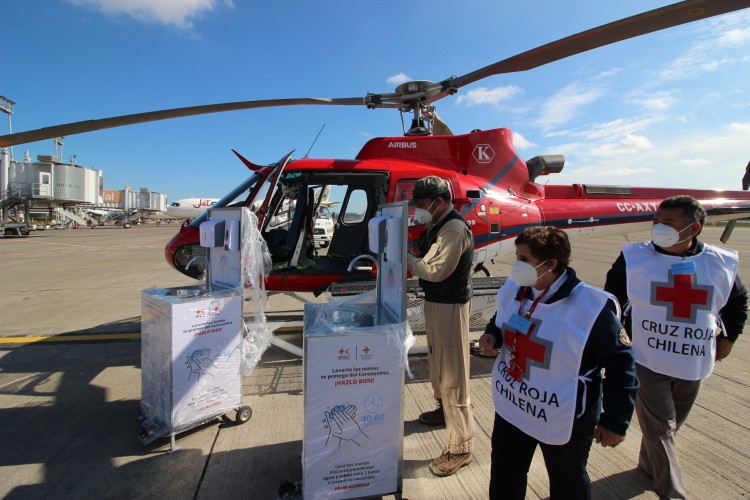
(443, 266)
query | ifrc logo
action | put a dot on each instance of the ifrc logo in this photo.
(483, 153)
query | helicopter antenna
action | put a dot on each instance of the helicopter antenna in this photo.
(314, 141)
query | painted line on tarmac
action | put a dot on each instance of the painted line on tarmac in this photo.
(76, 247)
(100, 337)
(70, 338)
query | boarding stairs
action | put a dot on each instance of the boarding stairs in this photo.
(12, 197)
(67, 218)
(132, 216)
(101, 219)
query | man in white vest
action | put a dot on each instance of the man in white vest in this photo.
(684, 306)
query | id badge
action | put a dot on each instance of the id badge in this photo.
(519, 323)
(684, 267)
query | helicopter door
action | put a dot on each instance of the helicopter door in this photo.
(350, 227)
(274, 178)
(304, 231)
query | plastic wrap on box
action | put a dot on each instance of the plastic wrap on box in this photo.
(353, 400)
(256, 265)
(190, 358)
(351, 314)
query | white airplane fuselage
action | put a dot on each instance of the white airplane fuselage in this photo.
(189, 208)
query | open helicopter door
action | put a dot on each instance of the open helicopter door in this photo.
(305, 206)
(274, 177)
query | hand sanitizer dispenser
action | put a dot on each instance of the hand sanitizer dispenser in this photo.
(212, 233)
(232, 237)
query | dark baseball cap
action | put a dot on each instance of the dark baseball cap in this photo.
(429, 187)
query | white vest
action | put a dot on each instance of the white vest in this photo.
(543, 403)
(675, 303)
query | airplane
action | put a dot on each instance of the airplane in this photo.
(189, 208)
(497, 192)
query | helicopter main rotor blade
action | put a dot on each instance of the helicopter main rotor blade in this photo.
(419, 94)
(151, 116)
(641, 24)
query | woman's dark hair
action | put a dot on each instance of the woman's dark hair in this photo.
(547, 242)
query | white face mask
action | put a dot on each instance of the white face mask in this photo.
(665, 236)
(423, 216)
(524, 273)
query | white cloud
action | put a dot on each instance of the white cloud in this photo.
(701, 160)
(615, 129)
(611, 172)
(520, 142)
(740, 127)
(565, 105)
(695, 162)
(629, 145)
(398, 79)
(737, 36)
(609, 73)
(483, 95)
(559, 133)
(177, 13)
(712, 45)
(656, 101)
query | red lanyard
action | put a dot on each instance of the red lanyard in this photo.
(514, 369)
(528, 314)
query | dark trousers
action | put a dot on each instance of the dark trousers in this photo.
(512, 452)
(662, 406)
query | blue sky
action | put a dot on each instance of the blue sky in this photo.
(667, 109)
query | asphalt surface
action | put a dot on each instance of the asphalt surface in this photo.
(70, 390)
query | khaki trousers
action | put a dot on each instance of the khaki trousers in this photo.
(447, 328)
(662, 406)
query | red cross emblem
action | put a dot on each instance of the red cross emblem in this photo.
(527, 348)
(366, 350)
(682, 298)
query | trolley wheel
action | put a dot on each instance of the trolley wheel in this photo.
(243, 414)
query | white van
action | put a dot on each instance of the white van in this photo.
(323, 229)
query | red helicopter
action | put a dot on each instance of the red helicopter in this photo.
(495, 190)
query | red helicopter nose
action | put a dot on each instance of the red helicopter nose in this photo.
(183, 247)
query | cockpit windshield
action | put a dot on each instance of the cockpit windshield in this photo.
(235, 197)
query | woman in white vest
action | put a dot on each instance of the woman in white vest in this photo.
(557, 334)
(685, 305)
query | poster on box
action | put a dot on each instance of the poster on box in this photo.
(352, 415)
(206, 337)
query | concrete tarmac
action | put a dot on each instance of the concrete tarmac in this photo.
(70, 390)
